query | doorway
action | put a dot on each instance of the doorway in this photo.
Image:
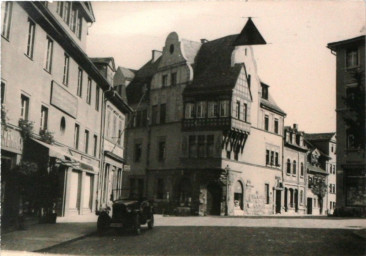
(278, 201)
(214, 194)
(310, 205)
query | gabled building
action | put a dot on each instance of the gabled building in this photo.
(114, 119)
(320, 170)
(350, 101)
(59, 92)
(207, 136)
(122, 78)
(294, 171)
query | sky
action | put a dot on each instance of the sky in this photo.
(295, 63)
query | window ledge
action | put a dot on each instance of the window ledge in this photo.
(7, 39)
(29, 57)
(48, 71)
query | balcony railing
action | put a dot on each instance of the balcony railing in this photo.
(215, 124)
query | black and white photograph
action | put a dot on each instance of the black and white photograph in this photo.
(183, 127)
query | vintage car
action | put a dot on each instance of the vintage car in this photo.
(127, 214)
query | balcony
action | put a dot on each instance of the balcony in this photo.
(222, 123)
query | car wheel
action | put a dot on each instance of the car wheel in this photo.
(137, 225)
(150, 224)
(102, 224)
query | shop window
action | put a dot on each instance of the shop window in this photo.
(160, 189)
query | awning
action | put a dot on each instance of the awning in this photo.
(65, 157)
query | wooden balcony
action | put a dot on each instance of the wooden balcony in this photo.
(222, 123)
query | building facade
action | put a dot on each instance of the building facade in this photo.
(59, 92)
(350, 101)
(207, 137)
(115, 111)
(294, 171)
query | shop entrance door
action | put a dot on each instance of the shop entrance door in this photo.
(214, 194)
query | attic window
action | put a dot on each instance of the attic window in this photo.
(171, 49)
(265, 92)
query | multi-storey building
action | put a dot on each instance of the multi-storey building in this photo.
(321, 167)
(207, 137)
(294, 174)
(122, 79)
(350, 101)
(59, 91)
(115, 111)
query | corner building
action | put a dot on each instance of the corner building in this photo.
(57, 88)
(208, 138)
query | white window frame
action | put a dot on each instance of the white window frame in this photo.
(30, 40)
(6, 13)
(49, 55)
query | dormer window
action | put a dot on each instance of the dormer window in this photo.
(352, 58)
(264, 91)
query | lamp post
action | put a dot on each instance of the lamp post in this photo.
(227, 174)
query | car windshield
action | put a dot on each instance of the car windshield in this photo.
(123, 194)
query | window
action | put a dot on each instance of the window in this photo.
(48, 56)
(138, 152)
(267, 157)
(276, 159)
(210, 146)
(120, 131)
(97, 98)
(161, 151)
(350, 140)
(224, 108)
(201, 109)
(30, 42)
(76, 136)
(114, 128)
(192, 146)
(272, 158)
(2, 93)
(294, 167)
(301, 197)
(310, 182)
(95, 146)
(24, 111)
(276, 125)
(245, 112)
(288, 169)
(228, 154)
(266, 122)
(132, 188)
(86, 141)
(78, 26)
(73, 17)
(62, 125)
(237, 110)
(189, 110)
(44, 118)
(138, 118)
(80, 83)
(60, 8)
(89, 91)
(154, 119)
(173, 78)
(201, 146)
(66, 12)
(6, 11)
(160, 189)
(165, 80)
(65, 79)
(302, 169)
(352, 58)
(265, 92)
(267, 192)
(162, 113)
(213, 109)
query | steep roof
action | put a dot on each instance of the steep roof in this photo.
(319, 136)
(104, 60)
(336, 45)
(212, 69)
(143, 77)
(249, 35)
(190, 49)
(127, 72)
(271, 104)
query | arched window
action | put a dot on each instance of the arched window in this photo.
(288, 166)
(302, 169)
(294, 167)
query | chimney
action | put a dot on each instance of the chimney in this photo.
(155, 55)
(204, 40)
(295, 127)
